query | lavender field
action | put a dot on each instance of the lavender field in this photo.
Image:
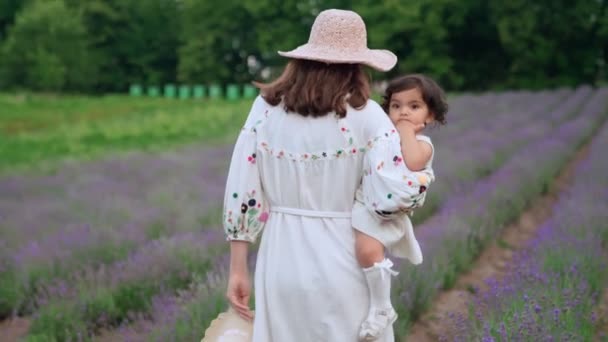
(128, 246)
(552, 290)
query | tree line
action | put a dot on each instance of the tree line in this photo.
(98, 46)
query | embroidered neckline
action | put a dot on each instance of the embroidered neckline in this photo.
(324, 155)
(348, 151)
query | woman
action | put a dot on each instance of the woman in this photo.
(311, 139)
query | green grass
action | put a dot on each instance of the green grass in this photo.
(38, 129)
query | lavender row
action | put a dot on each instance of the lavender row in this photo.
(554, 283)
(452, 238)
(135, 189)
(92, 215)
(485, 155)
(487, 147)
(185, 316)
(483, 111)
(106, 296)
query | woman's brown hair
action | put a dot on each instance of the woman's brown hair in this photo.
(432, 94)
(312, 88)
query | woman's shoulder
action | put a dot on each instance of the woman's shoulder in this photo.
(260, 102)
(370, 120)
(371, 108)
(258, 112)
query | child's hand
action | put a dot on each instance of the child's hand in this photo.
(404, 126)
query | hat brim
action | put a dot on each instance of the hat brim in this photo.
(229, 327)
(382, 60)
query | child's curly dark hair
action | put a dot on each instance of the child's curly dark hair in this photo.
(432, 94)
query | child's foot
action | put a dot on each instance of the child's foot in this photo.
(376, 323)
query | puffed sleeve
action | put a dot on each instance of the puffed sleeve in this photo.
(388, 188)
(245, 207)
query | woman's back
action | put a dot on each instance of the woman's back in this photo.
(314, 163)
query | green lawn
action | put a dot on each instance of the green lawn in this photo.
(38, 129)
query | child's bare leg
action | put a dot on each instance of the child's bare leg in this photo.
(377, 270)
(368, 250)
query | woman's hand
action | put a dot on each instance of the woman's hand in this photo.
(238, 294)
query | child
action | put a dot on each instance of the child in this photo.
(412, 102)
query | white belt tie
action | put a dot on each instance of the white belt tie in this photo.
(311, 213)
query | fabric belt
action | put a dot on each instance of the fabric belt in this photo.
(311, 213)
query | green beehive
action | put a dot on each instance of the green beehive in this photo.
(184, 92)
(198, 91)
(215, 91)
(153, 91)
(135, 90)
(232, 92)
(249, 91)
(170, 90)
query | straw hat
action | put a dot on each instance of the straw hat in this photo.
(229, 327)
(339, 36)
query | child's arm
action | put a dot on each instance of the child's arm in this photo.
(416, 153)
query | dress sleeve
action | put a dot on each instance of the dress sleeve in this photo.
(389, 189)
(245, 206)
(427, 140)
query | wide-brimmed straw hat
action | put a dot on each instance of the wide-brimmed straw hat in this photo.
(229, 327)
(339, 36)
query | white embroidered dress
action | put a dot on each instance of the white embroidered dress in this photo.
(295, 178)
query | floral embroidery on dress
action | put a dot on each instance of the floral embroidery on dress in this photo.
(397, 160)
(347, 134)
(312, 156)
(251, 216)
(253, 128)
(423, 179)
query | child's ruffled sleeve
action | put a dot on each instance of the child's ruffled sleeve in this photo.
(389, 190)
(245, 207)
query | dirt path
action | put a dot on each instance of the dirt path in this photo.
(494, 261)
(13, 329)
(602, 314)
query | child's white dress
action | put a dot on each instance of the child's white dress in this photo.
(396, 235)
(295, 178)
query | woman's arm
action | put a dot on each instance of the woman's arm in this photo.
(245, 209)
(238, 257)
(239, 284)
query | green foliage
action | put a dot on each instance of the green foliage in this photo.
(135, 40)
(47, 40)
(551, 43)
(217, 39)
(466, 45)
(8, 9)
